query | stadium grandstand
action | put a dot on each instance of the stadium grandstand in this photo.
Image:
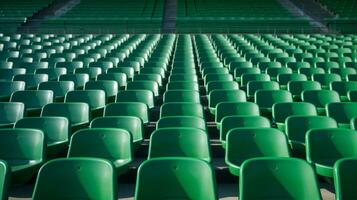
(178, 99)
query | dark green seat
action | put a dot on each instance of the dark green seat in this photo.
(113, 144)
(144, 85)
(143, 96)
(342, 112)
(246, 78)
(246, 143)
(24, 151)
(284, 79)
(344, 175)
(121, 78)
(56, 130)
(326, 79)
(180, 142)
(182, 85)
(217, 77)
(267, 98)
(31, 80)
(224, 109)
(352, 95)
(94, 98)
(149, 77)
(59, 88)
(181, 109)
(320, 98)
(181, 121)
(53, 73)
(9, 87)
(238, 65)
(217, 96)
(326, 146)
(129, 71)
(172, 177)
(79, 178)
(132, 124)
(183, 77)
(278, 178)
(10, 113)
(70, 66)
(8, 74)
(4, 180)
(297, 87)
(238, 72)
(92, 72)
(310, 71)
(154, 70)
(181, 96)
(221, 85)
(33, 100)
(103, 65)
(343, 87)
(254, 86)
(274, 72)
(110, 88)
(79, 80)
(135, 109)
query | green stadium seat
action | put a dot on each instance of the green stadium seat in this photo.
(246, 78)
(222, 85)
(181, 109)
(113, 144)
(179, 142)
(297, 87)
(119, 77)
(181, 96)
(326, 79)
(320, 98)
(86, 178)
(284, 79)
(103, 65)
(24, 151)
(309, 72)
(182, 85)
(92, 72)
(153, 70)
(79, 80)
(342, 112)
(59, 88)
(295, 66)
(149, 77)
(10, 113)
(53, 73)
(217, 77)
(254, 86)
(9, 87)
(240, 71)
(143, 96)
(109, 87)
(4, 180)
(33, 100)
(31, 80)
(182, 77)
(70, 66)
(344, 176)
(133, 125)
(128, 71)
(278, 178)
(352, 95)
(94, 98)
(181, 121)
(217, 96)
(238, 65)
(172, 177)
(326, 146)
(343, 87)
(344, 72)
(56, 130)
(274, 72)
(267, 98)
(246, 143)
(144, 85)
(135, 109)
(224, 109)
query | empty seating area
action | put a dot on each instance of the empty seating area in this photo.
(83, 116)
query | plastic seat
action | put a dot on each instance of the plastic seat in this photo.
(59, 88)
(246, 143)
(80, 178)
(238, 65)
(267, 98)
(9, 87)
(217, 96)
(225, 85)
(79, 80)
(298, 126)
(10, 113)
(110, 88)
(320, 98)
(344, 178)
(182, 85)
(181, 96)
(265, 65)
(171, 176)
(33, 100)
(78, 114)
(241, 71)
(135, 109)
(153, 86)
(113, 144)
(23, 150)
(70, 66)
(352, 95)
(153, 70)
(326, 146)
(235, 108)
(281, 111)
(343, 88)
(149, 77)
(181, 109)
(254, 86)
(56, 130)
(143, 96)
(92, 72)
(284, 79)
(180, 142)
(181, 121)
(31, 80)
(274, 72)
(246, 78)
(297, 87)
(94, 98)
(133, 125)
(342, 112)
(240, 121)
(53, 73)
(4, 180)
(217, 77)
(326, 79)
(278, 178)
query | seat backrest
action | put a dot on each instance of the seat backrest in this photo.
(80, 178)
(143, 96)
(174, 178)
(181, 109)
(135, 109)
(342, 112)
(181, 121)
(9, 87)
(94, 98)
(4, 179)
(281, 111)
(110, 88)
(33, 98)
(11, 112)
(218, 96)
(75, 112)
(235, 108)
(320, 98)
(144, 85)
(254, 86)
(267, 98)
(59, 88)
(345, 178)
(182, 96)
(297, 87)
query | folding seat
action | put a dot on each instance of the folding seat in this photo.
(182, 85)
(9, 87)
(309, 72)
(284, 79)
(113, 144)
(246, 78)
(295, 66)
(224, 109)
(93, 72)
(181, 96)
(238, 65)
(314, 60)
(217, 77)
(87, 178)
(254, 86)
(109, 87)
(10, 113)
(213, 85)
(23, 150)
(218, 96)
(181, 121)
(326, 79)
(79, 80)
(351, 77)
(132, 124)
(298, 126)
(70, 66)
(118, 77)
(240, 71)
(149, 77)
(179, 142)
(343, 87)
(33, 100)
(96, 100)
(143, 96)
(246, 143)
(352, 95)
(344, 178)
(327, 66)
(128, 71)
(320, 98)
(297, 87)
(267, 98)
(342, 112)
(240, 121)
(135, 109)
(59, 88)
(56, 130)
(172, 177)
(6, 65)
(31, 80)
(278, 178)
(78, 114)
(326, 146)
(343, 72)
(182, 109)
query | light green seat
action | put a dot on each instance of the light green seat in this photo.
(92, 72)
(254, 86)
(320, 98)
(326, 79)
(33, 100)
(267, 98)
(224, 109)
(182, 85)
(222, 85)
(10, 113)
(94, 98)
